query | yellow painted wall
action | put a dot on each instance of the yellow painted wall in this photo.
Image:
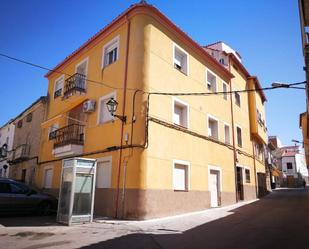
(151, 68)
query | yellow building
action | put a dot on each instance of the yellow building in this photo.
(175, 152)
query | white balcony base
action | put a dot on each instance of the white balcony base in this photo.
(67, 150)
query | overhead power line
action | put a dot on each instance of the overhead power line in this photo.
(285, 86)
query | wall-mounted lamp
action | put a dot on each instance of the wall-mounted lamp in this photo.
(112, 107)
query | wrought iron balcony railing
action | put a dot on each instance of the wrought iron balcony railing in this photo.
(71, 134)
(76, 83)
(20, 153)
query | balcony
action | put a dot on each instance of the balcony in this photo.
(68, 140)
(20, 153)
(75, 84)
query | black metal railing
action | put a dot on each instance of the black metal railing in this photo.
(57, 93)
(71, 134)
(20, 153)
(76, 83)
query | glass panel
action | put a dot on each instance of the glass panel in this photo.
(82, 194)
(66, 188)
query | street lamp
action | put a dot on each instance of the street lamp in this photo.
(112, 107)
(280, 84)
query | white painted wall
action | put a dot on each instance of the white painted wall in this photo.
(6, 136)
(286, 171)
(301, 166)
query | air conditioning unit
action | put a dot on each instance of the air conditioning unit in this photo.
(89, 105)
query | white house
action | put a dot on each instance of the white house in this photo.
(294, 168)
(6, 137)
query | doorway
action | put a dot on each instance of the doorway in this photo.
(240, 184)
(214, 188)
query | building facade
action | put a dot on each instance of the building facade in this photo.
(169, 151)
(6, 141)
(294, 168)
(26, 145)
(303, 6)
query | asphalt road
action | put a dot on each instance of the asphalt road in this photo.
(279, 220)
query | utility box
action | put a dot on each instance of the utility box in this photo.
(76, 194)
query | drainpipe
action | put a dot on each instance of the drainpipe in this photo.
(233, 133)
(254, 165)
(123, 114)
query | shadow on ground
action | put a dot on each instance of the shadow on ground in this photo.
(279, 220)
(29, 221)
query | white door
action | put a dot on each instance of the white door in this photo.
(213, 188)
(48, 178)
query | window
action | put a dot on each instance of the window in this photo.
(211, 81)
(224, 87)
(227, 138)
(29, 117)
(180, 59)
(58, 86)
(289, 165)
(19, 189)
(4, 188)
(52, 131)
(181, 176)
(110, 52)
(104, 115)
(48, 176)
(20, 123)
(247, 173)
(213, 128)
(180, 113)
(221, 61)
(104, 174)
(237, 99)
(239, 136)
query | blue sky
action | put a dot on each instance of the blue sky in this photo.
(265, 32)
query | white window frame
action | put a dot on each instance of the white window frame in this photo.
(188, 165)
(80, 63)
(175, 46)
(216, 119)
(56, 125)
(226, 124)
(244, 170)
(115, 40)
(55, 83)
(182, 103)
(105, 97)
(216, 168)
(236, 99)
(207, 83)
(242, 140)
(108, 159)
(49, 167)
(225, 94)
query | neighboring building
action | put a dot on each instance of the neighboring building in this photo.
(294, 168)
(248, 116)
(273, 162)
(174, 153)
(6, 140)
(26, 145)
(303, 6)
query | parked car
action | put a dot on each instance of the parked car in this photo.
(18, 198)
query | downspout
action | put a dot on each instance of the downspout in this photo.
(254, 165)
(233, 133)
(123, 114)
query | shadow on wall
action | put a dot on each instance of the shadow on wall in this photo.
(276, 221)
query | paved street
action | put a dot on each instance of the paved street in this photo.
(279, 220)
